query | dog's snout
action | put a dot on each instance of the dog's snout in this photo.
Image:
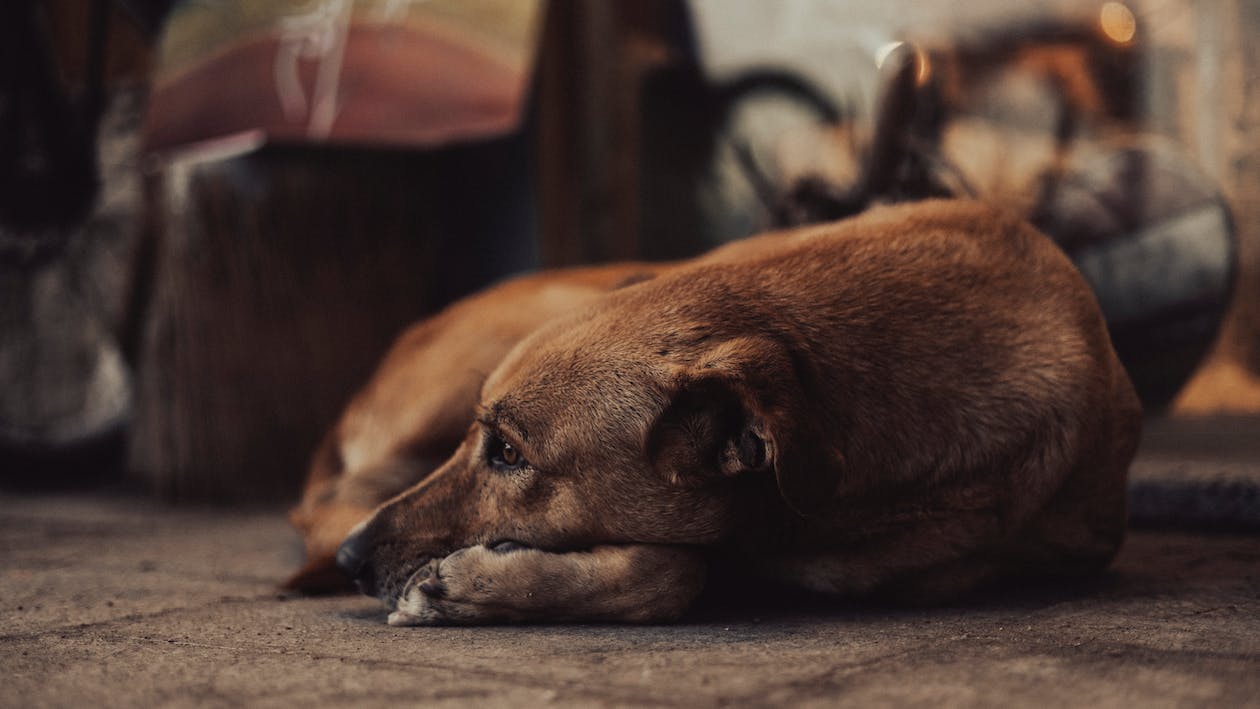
(353, 558)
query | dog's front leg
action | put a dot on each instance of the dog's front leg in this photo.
(639, 583)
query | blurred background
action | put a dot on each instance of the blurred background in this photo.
(215, 215)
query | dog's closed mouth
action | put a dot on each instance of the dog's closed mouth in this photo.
(504, 546)
(395, 585)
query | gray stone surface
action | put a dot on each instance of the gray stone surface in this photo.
(119, 602)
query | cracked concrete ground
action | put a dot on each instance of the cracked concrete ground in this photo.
(117, 601)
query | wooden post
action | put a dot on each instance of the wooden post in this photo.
(281, 275)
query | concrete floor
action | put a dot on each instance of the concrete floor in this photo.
(116, 601)
(119, 601)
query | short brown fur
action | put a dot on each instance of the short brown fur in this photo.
(911, 402)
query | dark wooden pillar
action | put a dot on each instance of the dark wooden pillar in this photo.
(594, 56)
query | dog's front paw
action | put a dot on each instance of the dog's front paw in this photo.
(473, 585)
(413, 606)
(636, 583)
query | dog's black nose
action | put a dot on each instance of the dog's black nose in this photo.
(353, 560)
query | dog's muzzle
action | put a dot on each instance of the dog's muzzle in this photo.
(359, 560)
(353, 558)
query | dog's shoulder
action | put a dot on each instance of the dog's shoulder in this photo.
(981, 220)
(958, 230)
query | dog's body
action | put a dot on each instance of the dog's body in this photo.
(912, 401)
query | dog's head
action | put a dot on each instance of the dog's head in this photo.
(398, 429)
(601, 430)
(412, 414)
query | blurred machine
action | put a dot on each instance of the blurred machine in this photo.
(1042, 113)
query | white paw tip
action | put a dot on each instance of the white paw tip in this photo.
(402, 619)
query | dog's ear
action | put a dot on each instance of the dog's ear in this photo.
(741, 409)
(705, 434)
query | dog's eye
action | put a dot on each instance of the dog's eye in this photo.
(503, 454)
(509, 455)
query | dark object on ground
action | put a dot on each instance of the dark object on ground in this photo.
(1198, 473)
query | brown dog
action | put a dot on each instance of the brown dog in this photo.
(911, 401)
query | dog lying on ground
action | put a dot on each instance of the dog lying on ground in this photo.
(909, 402)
